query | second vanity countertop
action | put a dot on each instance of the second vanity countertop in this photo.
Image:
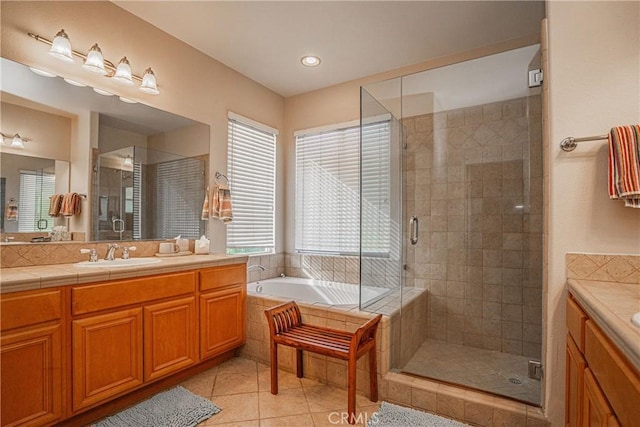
(45, 276)
(612, 305)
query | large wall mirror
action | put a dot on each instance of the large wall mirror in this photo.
(146, 168)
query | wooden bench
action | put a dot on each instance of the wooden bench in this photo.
(286, 328)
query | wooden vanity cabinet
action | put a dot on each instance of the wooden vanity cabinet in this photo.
(130, 332)
(33, 351)
(223, 293)
(602, 386)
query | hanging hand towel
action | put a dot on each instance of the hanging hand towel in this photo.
(206, 210)
(70, 204)
(624, 165)
(11, 213)
(221, 208)
(55, 205)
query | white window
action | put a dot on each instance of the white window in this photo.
(328, 190)
(251, 169)
(33, 210)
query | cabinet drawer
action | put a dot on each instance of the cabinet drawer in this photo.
(104, 296)
(576, 319)
(219, 277)
(39, 307)
(619, 381)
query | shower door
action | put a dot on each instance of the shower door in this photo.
(471, 215)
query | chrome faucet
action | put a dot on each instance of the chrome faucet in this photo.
(256, 267)
(111, 250)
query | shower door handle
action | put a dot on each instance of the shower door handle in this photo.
(413, 224)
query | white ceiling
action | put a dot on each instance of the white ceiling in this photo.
(265, 40)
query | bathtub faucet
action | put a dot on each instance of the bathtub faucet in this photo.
(256, 267)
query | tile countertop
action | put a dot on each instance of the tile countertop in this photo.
(45, 276)
(611, 305)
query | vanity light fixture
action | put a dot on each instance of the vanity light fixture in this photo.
(310, 61)
(128, 161)
(95, 62)
(16, 140)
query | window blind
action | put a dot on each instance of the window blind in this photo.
(251, 163)
(328, 190)
(180, 191)
(35, 190)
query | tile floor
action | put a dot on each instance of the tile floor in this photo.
(476, 368)
(240, 387)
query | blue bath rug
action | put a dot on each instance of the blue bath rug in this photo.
(177, 407)
(390, 415)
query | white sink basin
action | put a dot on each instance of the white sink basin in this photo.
(635, 319)
(131, 262)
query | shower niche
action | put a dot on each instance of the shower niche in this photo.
(465, 219)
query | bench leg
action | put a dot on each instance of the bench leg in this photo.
(299, 363)
(351, 389)
(274, 368)
(373, 375)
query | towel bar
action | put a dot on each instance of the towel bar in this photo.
(570, 143)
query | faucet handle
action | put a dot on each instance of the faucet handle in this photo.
(125, 251)
(93, 254)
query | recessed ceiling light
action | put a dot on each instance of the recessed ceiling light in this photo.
(42, 72)
(127, 100)
(310, 61)
(74, 83)
(102, 92)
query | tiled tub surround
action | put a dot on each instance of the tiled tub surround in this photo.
(473, 177)
(344, 317)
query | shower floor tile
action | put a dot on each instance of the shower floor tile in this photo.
(486, 370)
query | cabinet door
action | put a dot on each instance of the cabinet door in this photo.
(107, 356)
(574, 384)
(596, 409)
(170, 337)
(222, 320)
(31, 372)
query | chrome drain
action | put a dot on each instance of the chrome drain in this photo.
(515, 381)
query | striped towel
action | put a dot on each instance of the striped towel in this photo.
(624, 165)
(70, 204)
(11, 213)
(55, 204)
(206, 209)
(221, 206)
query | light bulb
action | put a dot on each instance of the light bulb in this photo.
(310, 61)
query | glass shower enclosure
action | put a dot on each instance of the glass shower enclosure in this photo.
(456, 211)
(141, 193)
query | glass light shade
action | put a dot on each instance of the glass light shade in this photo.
(128, 161)
(17, 141)
(95, 61)
(149, 84)
(61, 47)
(123, 73)
(127, 100)
(42, 72)
(102, 92)
(74, 83)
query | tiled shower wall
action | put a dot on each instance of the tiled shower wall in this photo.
(473, 177)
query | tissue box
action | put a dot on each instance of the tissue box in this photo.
(201, 246)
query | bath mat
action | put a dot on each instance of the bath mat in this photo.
(177, 407)
(390, 415)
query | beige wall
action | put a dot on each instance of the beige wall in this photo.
(189, 141)
(49, 134)
(594, 84)
(191, 84)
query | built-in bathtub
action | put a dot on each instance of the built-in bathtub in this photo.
(316, 291)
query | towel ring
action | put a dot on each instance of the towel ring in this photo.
(219, 175)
